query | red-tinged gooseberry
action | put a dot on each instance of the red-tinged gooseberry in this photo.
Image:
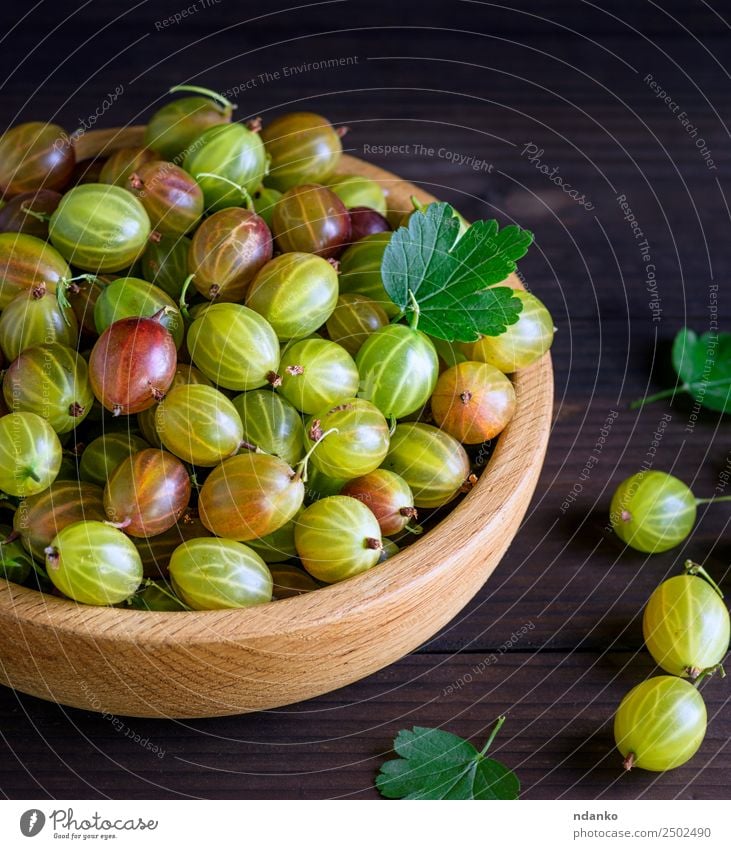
(227, 251)
(172, 198)
(304, 148)
(28, 213)
(40, 517)
(28, 263)
(473, 402)
(103, 454)
(122, 163)
(35, 156)
(365, 222)
(147, 493)
(387, 496)
(132, 365)
(249, 496)
(311, 219)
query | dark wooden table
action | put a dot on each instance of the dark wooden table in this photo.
(554, 638)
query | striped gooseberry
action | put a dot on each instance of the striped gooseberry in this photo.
(99, 228)
(199, 424)
(171, 197)
(250, 496)
(304, 148)
(432, 463)
(51, 381)
(104, 453)
(30, 454)
(311, 219)
(686, 624)
(295, 292)
(41, 516)
(314, 373)
(35, 155)
(271, 424)
(132, 365)
(336, 538)
(35, 317)
(234, 346)
(398, 369)
(147, 493)
(226, 252)
(653, 511)
(660, 724)
(347, 440)
(26, 263)
(355, 317)
(522, 343)
(94, 563)
(131, 297)
(387, 496)
(215, 574)
(229, 163)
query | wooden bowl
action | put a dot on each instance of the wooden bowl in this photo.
(214, 663)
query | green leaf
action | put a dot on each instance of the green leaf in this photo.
(444, 283)
(703, 363)
(435, 764)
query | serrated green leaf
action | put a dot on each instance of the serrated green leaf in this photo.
(435, 764)
(703, 363)
(425, 270)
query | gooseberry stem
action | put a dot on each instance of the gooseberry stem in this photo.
(63, 285)
(181, 301)
(658, 396)
(41, 216)
(493, 734)
(248, 202)
(219, 99)
(301, 467)
(692, 568)
(148, 582)
(32, 475)
(707, 673)
(716, 500)
(629, 761)
(416, 312)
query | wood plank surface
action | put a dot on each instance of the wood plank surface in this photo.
(554, 638)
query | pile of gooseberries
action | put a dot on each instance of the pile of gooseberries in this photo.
(660, 724)
(209, 400)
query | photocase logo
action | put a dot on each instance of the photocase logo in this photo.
(32, 822)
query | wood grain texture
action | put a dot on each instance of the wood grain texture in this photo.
(214, 663)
